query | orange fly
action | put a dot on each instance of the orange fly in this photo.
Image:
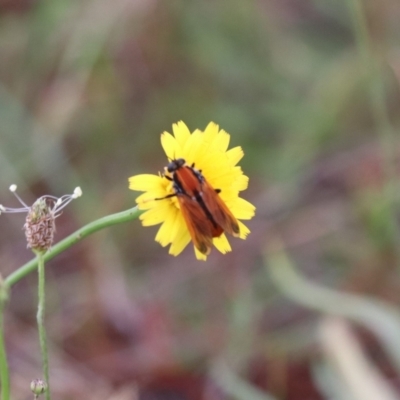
(205, 213)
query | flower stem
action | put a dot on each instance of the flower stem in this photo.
(4, 374)
(40, 320)
(109, 220)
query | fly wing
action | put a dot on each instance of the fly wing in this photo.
(219, 210)
(200, 228)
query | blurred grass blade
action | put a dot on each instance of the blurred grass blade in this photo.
(328, 382)
(379, 317)
(343, 350)
(234, 386)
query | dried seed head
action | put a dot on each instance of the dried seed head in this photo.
(40, 226)
(40, 220)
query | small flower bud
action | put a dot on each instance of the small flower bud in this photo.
(38, 387)
(40, 226)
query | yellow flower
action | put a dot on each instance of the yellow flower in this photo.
(208, 153)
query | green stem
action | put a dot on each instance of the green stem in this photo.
(109, 220)
(40, 320)
(4, 373)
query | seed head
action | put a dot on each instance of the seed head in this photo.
(40, 226)
(40, 220)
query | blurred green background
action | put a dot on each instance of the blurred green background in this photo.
(310, 90)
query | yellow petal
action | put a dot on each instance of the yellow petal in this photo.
(193, 151)
(222, 244)
(145, 182)
(178, 227)
(171, 146)
(211, 132)
(180, 243)
(221, 141)
(181, 133)
(244, 230)
(163, 235)
(199, 256)
(241, 183)
(156, 215)
(242, 209)
(151, 195)
(207, 139)
(229, 196)
(190, 151)
(235, 181)
(147, 205)
(235, 155)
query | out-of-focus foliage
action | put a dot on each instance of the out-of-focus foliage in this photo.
(309, 89)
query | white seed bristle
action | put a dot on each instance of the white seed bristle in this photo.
(77, 192)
